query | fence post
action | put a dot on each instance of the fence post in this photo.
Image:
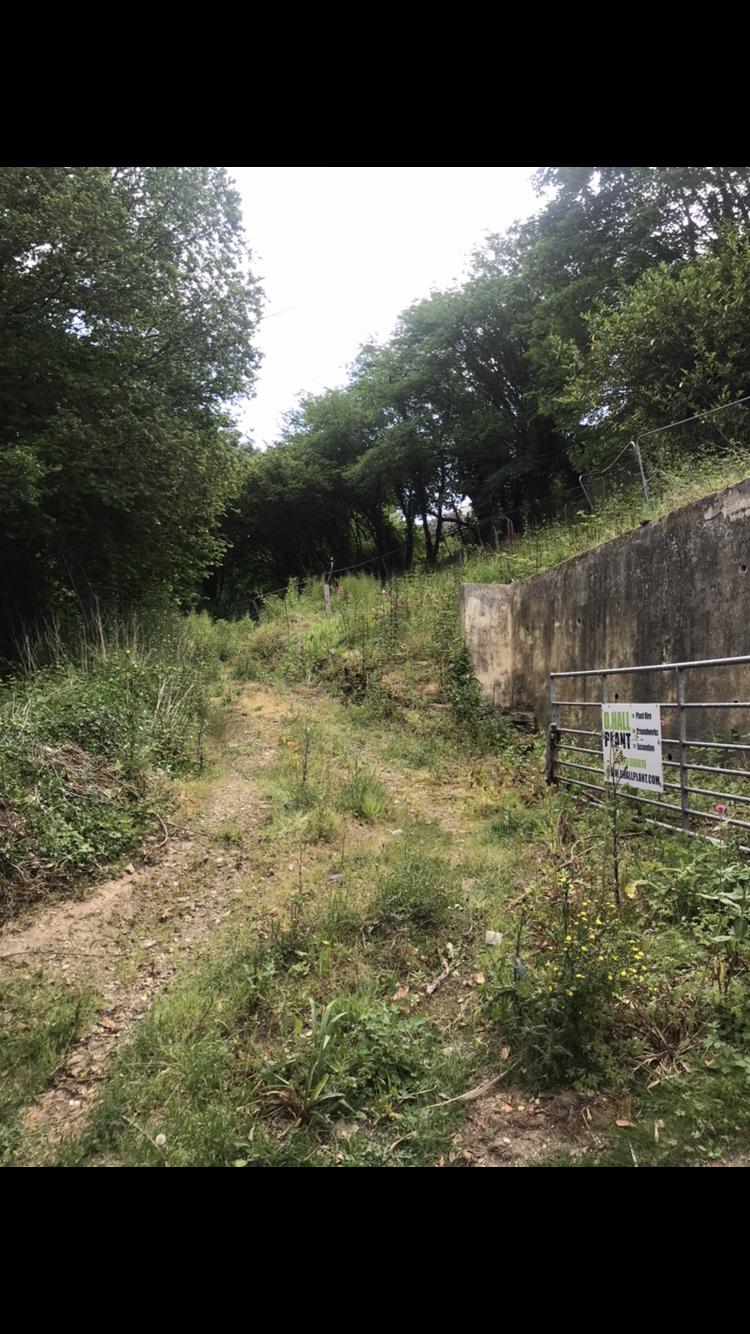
(644, 483)
(327, 580)
(682, 735)
(605, 700)
(553, 732)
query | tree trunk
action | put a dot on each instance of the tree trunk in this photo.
(428, 543)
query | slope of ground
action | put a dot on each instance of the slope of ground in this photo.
(236, 864)
(370, 887)
(370, 935)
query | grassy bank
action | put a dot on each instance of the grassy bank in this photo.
(345, 1028)
(89, 743)
(440, 918)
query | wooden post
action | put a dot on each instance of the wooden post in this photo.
(327, 581)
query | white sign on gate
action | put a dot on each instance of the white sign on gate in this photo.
(631, 743)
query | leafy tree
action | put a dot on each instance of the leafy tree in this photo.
(678, 344)
(127, 312)
(600, 229)
(618, 306)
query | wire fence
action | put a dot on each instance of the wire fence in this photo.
(640, 467)
(645, 464)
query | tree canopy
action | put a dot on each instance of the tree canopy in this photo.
(127, 311)
(617, 307)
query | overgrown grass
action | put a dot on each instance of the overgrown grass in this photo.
(38, 1021)
(335, 1033)
(89, 742)
(680, 482)
(364, 796)
(387, 649)
(250, 1062)
(417, 892)
(93, 729)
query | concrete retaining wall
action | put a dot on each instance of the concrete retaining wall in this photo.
(675, 589)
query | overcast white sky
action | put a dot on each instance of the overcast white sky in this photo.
(342, 250)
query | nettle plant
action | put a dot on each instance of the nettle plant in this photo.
(730, 899)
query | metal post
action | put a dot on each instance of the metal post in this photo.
(682, 734)
(637, 452)
(552, 732)
(585, 492)
(605, 700)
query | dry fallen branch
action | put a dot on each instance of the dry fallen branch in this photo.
(472, 1093)
(164, 827)
(433, 986)
(401, 1140)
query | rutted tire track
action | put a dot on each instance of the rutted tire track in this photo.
(126, 937)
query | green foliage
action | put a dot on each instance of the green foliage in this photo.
(302, 788)
(483, 726)
(364, 796)
(127, 312)
(511, 821)
(618, 307)
(557, 1007)
(357, 1053)
(38, 1021)
(674, 345)
(417, 892)
(301, 1083)
(731, 897)
(87, 745)
(231, 835)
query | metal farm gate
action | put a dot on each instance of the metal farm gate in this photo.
(575, 756)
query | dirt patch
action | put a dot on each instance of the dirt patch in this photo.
(127, 935)
(87, 929)
(508, 1129)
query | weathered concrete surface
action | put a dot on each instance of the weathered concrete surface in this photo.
(675, 589)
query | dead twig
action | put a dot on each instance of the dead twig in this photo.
(521, 898)
(433, 986)
(164, 827)
(472, 1093)
(401, 1140)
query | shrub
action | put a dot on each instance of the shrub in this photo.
(416, 892)
(558, 1008)
(364, 796)
(354, 1051)
(484, 727)
(83, 745)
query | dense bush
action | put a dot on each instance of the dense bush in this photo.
(86, 746)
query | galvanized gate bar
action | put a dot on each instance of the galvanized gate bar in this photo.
(703, 745)
(711, 769)
(682, 724)
(654, 667)
(666, 704)
(566, 770)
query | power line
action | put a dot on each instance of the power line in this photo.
(276, 314)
